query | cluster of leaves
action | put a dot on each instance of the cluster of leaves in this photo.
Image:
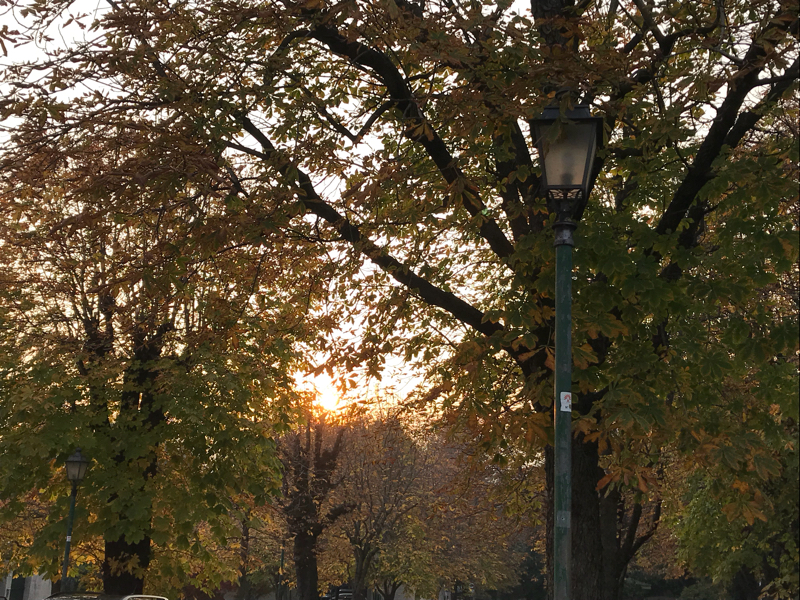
(124, 336)
(761, 556)
(382, 147)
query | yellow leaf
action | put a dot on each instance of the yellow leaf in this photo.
(730, 511)
(757, 513)
(741, 486)
(583, 356)
(550, 361)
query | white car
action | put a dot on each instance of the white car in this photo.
(100, 596)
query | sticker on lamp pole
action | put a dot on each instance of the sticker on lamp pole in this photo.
(566, 401)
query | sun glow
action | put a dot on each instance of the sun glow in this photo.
(326, 395)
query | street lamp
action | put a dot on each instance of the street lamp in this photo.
(567, 144)
(76, 466)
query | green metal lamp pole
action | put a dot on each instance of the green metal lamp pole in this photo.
(65, 566)
(562, 536)
(76, 466)
(567, 143)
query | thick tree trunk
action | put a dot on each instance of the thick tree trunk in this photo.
(363, 558)
(389, 589)
(745, 586)
(614, 567)
(244, 559)
(305, 566)
(125, 563)
(587, 548)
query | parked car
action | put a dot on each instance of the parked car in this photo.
(100, 596)
(343, 593)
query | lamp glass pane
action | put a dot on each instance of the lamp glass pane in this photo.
(566, 158)
(76, 467)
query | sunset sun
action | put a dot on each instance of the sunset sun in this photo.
(326, 394)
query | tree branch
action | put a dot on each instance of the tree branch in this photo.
(401, 273)
(418, 129)
(511, 194)
(700, 172)
(748, 119)
(651, 25)
(640, 541)
(372, 118)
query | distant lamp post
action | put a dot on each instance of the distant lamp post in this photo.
(76, 466)
(567, 144)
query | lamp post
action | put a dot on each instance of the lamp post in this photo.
(76, 466)
(567, 144)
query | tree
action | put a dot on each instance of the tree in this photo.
(471, 527)
(395, 133)
(124, 340)
(756, 537)
(260, 543)
(310, 458)
(384, 467)
(421, 517)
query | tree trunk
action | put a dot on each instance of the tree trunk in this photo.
(363, 558)
(587, 555)
(125, 563)
(244, 560)
(305, 566)
(587, 549)
(389, 589)
(604, 535)
(613, 574)
(745, 586)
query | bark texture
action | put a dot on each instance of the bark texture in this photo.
(606, 531)
(305, 561)
(125, 561)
